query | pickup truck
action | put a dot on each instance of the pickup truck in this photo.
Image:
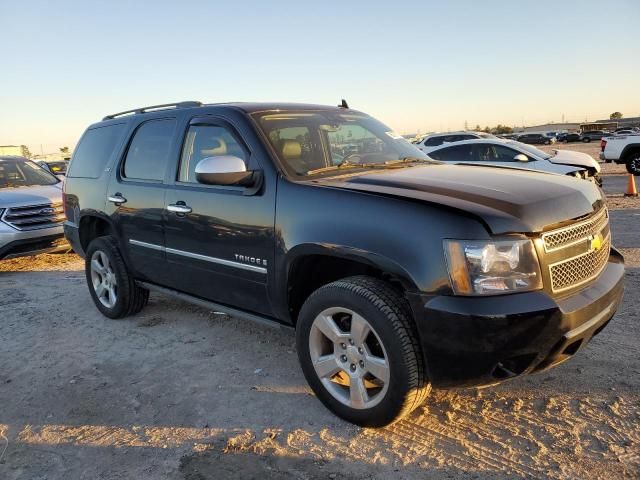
(622, 149)
(398, 273)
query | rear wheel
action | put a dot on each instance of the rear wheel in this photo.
(359, 352)
(112, 287)
(586, 139)
(633, 163)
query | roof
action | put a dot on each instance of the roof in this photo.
(248, 107)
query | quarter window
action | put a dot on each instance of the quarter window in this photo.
(149, 150)
(204, 141)
(94, 150)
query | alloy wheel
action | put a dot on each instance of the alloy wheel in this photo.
(349, 358)
(103, 279)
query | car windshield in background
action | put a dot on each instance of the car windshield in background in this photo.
(533, 150)
(312, 142)
(18, 173)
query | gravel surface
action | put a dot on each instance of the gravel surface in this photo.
(179, 392)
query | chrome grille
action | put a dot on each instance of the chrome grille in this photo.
(579, 270)
(34, 217)
(575, 233)
(576, 254)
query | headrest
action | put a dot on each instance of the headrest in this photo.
(216, 146)
(290, 149)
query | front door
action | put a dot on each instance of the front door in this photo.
(136, 197)
(219, 240)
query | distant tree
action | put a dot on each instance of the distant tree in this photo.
(501, 129)
(466, 125)
(64, 150)
(25, 151)
(615, 116)
(477, 129)
(486, 129)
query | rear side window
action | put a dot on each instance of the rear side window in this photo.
(95, 150)
(149, 150)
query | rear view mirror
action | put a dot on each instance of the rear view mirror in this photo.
(223, 170)
(521, 158)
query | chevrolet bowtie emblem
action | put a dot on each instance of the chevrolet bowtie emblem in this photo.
(596, 242)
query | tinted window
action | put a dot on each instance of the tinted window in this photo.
(149, 150)
(458, 153)
(434, 141)
(204, 141)
(94, 150)
(493, 153)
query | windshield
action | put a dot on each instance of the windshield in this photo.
(21, 173)
(531, 149)
(317, 142)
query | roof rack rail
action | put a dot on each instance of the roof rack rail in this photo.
(136, 111)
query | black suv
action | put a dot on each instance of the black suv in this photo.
(534, 139)
(397, 272)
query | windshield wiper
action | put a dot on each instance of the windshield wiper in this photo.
(344, 164)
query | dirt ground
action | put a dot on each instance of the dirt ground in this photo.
(179, 392)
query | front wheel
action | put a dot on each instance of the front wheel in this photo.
(633, 164)
(112, 287)
(586, 140)
(359, 352)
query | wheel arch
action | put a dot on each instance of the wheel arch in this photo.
(310, 266)
(93, 225)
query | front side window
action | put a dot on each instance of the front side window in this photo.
(205, 141)
(533, 151)
(493, 153)
(16, 173)
(149, 150)
(434, 141)
(307, 142)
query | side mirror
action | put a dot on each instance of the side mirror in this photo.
(223, 170)
(521, 158)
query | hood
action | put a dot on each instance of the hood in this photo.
(568, 157)
(35, 195)
(507, 200)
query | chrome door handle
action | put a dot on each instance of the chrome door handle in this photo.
(177, 208)
(117, 199)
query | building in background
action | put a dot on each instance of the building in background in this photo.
(19, 150)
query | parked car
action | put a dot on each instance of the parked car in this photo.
(57, 167)
(429, 142)
(593, 135)
(625, 132)
(535, 139)
(31, 213)
(397, 272)
(511, 154)
(569, 137)
(623, 149)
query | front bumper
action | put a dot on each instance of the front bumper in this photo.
(16, 243)
(476, 341)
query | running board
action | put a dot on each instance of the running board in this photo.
(216, 307)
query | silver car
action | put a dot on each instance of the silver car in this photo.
(31, 210)
(512, 154)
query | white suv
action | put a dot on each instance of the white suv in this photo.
(430, 142)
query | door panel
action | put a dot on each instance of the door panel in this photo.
(223, 248)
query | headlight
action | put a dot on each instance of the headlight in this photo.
(492, 267)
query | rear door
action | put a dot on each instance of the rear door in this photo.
(222, 246)
(135, 197)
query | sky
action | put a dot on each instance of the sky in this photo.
(415, 65)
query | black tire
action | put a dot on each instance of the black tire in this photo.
(548, 142)
(131, 298)
(390, 316)
(586, 140)
(633, 163)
